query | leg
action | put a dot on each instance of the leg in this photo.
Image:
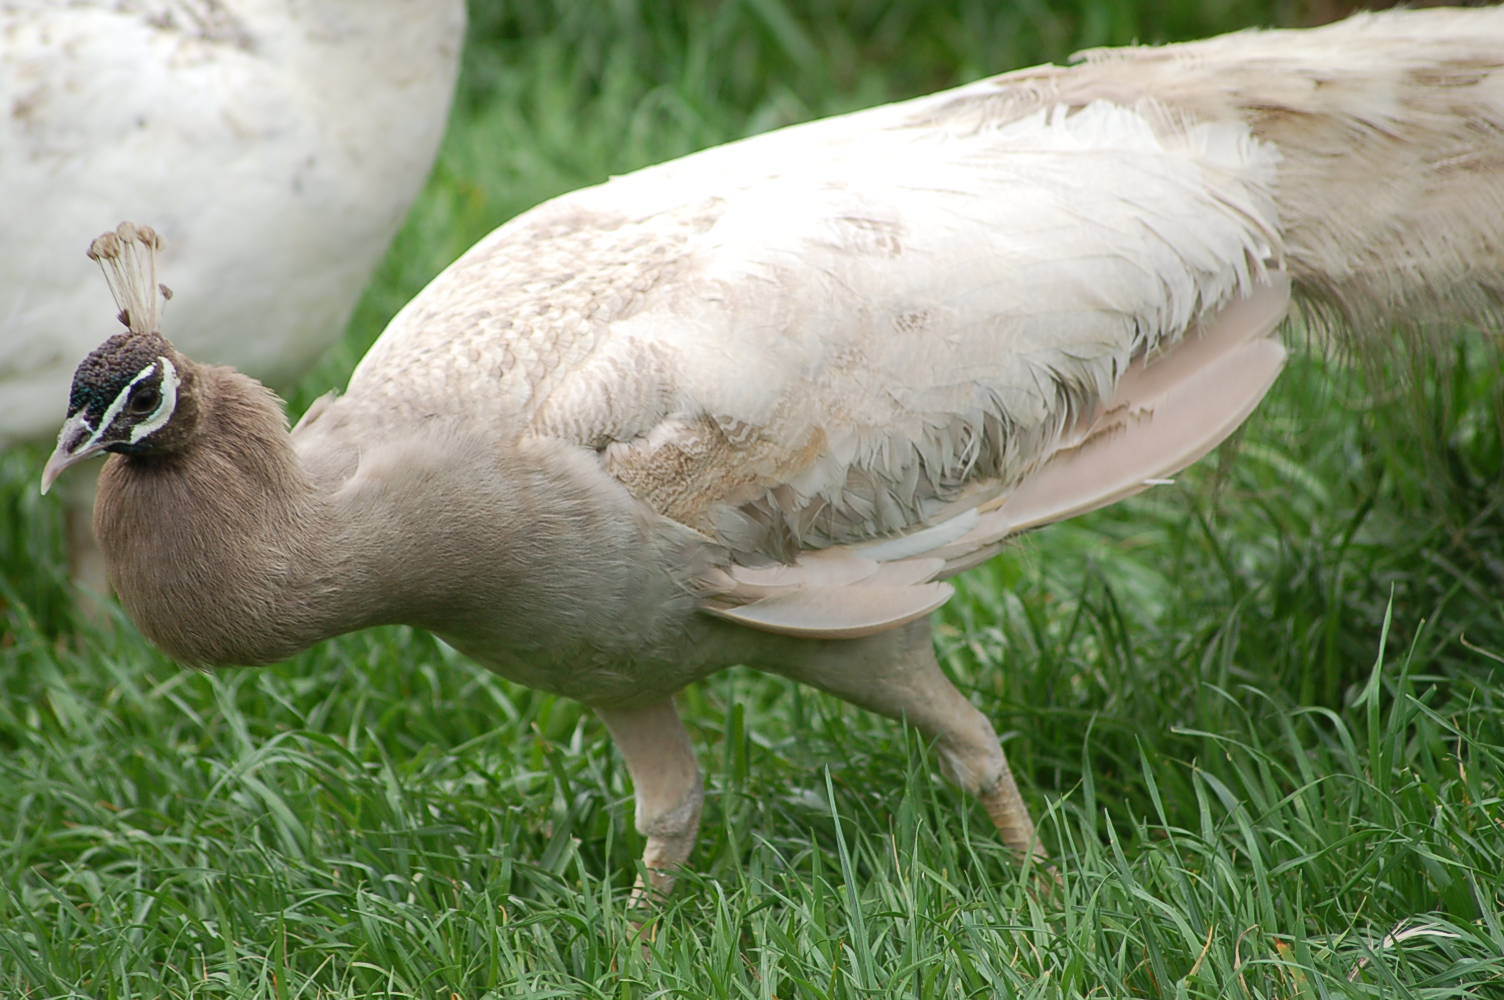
(667, 784)
(895, 674)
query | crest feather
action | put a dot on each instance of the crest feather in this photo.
(128, 257)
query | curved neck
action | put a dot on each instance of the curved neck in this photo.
(248, 544)
(216, 547)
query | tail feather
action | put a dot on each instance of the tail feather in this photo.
(1390, 133)
(1390, 129)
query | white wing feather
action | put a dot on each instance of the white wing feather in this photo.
(868, 349)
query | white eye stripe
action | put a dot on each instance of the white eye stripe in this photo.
(159, 415)
(165, 406)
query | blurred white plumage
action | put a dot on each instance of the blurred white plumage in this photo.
(276, 144)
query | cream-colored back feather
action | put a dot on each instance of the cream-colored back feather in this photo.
(869, 349)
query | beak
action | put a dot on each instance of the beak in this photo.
(75, 442)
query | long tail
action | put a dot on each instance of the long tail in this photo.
(1390, 129)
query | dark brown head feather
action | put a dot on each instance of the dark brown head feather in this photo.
(108, 368)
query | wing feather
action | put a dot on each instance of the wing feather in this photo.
(847, 351)
(1165, 413)
(837, 612)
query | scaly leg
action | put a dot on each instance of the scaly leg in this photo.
(668, 788)
(895, 674)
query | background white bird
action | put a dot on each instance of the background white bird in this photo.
(236, 127)
(754, 405)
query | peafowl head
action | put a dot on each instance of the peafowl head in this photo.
(128, 394)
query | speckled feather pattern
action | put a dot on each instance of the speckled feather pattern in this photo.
(813, 357)
(852, 329)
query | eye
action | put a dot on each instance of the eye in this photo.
(144, 400)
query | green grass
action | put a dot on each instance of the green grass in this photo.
(1258, 714)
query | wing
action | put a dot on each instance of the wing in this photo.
(846, 347)
(1165, 412)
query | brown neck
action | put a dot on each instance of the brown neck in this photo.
(217, 547)
(243, 546)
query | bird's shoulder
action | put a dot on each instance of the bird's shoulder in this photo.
(840, 334)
